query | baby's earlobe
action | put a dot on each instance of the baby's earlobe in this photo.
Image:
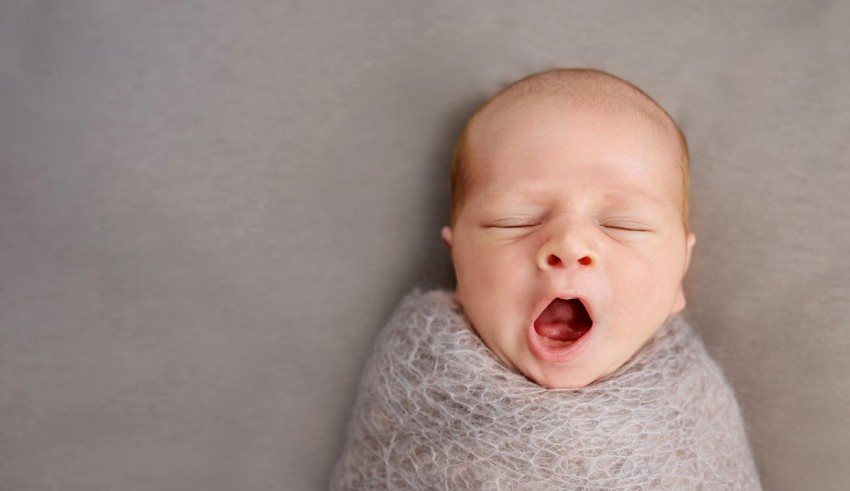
(446, 233)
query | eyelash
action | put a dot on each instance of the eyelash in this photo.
(518, 223)
(531, 222)
(629, 228)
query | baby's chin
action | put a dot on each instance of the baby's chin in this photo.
(569, 374)
(562, 379)
(572, 374)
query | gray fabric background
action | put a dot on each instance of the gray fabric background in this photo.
(209, 209)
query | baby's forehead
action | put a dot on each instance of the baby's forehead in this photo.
(621, 105)
(546, 119)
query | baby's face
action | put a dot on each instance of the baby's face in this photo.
(581, 205)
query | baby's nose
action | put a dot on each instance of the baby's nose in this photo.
(565, 249)
(554, 260)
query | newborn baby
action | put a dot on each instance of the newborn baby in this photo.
(559, 362)
(569, 230)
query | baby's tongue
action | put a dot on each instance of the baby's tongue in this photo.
(563, 320)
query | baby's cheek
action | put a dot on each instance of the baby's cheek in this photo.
(478, 282)
(636, 283)
(475, 276)
(486, 267)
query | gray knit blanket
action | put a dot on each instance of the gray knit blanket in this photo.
(437, 410)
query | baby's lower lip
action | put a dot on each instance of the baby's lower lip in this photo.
(553, 350)
(556, 343)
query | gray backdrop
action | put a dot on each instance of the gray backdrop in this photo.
(209, 208)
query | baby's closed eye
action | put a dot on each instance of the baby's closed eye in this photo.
(520, 221)
(626, 225)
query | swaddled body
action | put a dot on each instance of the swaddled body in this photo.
(560, 361)
(437, 410)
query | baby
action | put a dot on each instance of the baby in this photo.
(569, 229)
(559, 361)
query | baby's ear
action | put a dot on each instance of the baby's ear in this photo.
(691, 239)
(447, 237)
(679, 303)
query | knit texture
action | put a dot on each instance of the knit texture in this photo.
(437, 410)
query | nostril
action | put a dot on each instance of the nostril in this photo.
(584, 261)
(553, 260)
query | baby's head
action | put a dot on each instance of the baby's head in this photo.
(569, 232)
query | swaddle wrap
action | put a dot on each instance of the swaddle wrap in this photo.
(437, 410)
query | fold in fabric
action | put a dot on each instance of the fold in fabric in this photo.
(437, 410)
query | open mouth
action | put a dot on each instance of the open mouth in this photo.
(563, 322)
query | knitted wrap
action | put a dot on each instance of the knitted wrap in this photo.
(437, 410)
